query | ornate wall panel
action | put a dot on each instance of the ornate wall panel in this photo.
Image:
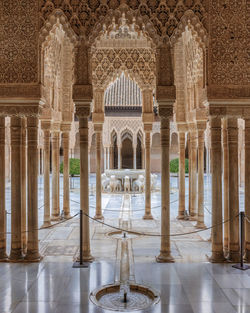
(229, 61)
(19, 41)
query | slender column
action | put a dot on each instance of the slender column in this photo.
(16, 192)
(217, 240)
(98, 132)
(105, 158)
(193, 143)
(234, 248)
(32, 244)
(46, 180)
(134, 157)
(108, 158)
(143, 157)
(181, 175)
(148, 215)
(200, 220)
(3, 255)
(189, 174)
(83, 113)
(119, 157)
(111, 157)
(247, 187)
(55, 176)
(24, 185)
(66, 204)
(226, 185)
(165, 253)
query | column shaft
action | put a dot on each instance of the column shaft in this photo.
(181, 175)
(24, 185)
(247, 186)
(119, 157)
(217, 240)
(32, 244)
(226, 185)
(55, 176)
(165, 253)
(16, 192)
(193, 143)
(98, 214)
(84, 187)
(66, 204)
(134, 157)
(234, 247)
(148, 214)
(46, 182)
(200, 220)
(3, 254)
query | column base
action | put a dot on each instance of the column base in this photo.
(86, 258)
(233, 256)
(16, 255)
(165, 257)
(33, 256)
(98, 217)
(200, 225)
(217, 257)
(148, 216)
(247, 256)
(55, 218)
(46, 224)
(181, 215)
(67, 216)
(3, 255)
(192, 217)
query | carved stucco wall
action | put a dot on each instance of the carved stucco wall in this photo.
(19, 29)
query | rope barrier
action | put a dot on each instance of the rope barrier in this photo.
(41, 228)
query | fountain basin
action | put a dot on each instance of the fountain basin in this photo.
(110, 297)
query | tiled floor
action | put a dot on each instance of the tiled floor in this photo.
(191, 285)
(52, 287)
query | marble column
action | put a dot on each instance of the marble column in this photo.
(98, 133)
(234, 247)
(143, 157)
(193, 199)
(24, 184)
(46, 179)
(108, 158)
(247, 188)
(119, 157)
(226, 185)
(55, 176)
(16, 191)
(148, 215)
(134, 157)
(200, 219)
(3, 255)
(65, 139)
(83, 113)
(165, 252)
(189, 174)
(32, 167)
(181, 209)
(105, 158)
(111, 157)
(217, 232)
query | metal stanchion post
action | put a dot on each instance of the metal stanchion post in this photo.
(80, 264)
(242, 266)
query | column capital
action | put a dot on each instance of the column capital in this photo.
(56, 127)
(98, 128)
(201, 125)
(65, 127)
(83, 109)
(98, 118)
(166, 109)
(147, 118)
(45, 125)
(147, 127)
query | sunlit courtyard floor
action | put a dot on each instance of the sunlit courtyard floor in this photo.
(191, 285)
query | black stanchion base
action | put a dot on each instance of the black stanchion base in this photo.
(242, 268)
(78, 265)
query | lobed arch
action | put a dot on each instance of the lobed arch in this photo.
(189, 43)
(127, 133)
(57, 44)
